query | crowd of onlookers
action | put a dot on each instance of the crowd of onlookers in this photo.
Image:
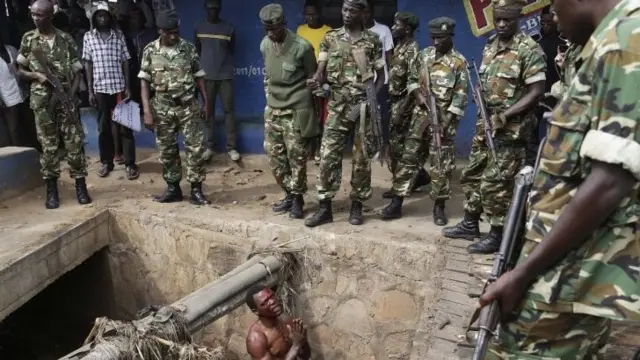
(136, 20)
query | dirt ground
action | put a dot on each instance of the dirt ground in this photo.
(244, 190)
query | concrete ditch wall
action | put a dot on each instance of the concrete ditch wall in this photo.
(363, 299)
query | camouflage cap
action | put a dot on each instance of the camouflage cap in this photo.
(442, 26)
(272, 14)
(357, 3)
(167, 20)
(514, 6)
(408, 19)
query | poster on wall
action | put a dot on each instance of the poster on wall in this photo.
(481, 19)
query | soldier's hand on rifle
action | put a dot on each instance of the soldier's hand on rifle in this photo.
(420, 99)
(508, 291)
(148, 120)
(41, 78)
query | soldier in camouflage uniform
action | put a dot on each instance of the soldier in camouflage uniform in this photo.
(290, 119)
(402, 103)
(336, 63)
(445, 69)
(63, 60)
(580, 265)
(567, 64)
(513, 77)
(171, 69)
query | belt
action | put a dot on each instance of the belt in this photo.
(175, 100)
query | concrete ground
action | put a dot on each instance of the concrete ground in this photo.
(246, 191)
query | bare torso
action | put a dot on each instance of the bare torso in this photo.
(278, 338)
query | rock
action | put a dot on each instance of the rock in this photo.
(259, 197)
(352, 318)
(395, 305)
(397, 345)
(342, 284)
(228, 170)
(241, 182)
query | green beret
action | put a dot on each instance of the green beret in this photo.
(442, 26)
(272, 14)
(514, 6)
(357, 3)
(408, 19)
(167, 20)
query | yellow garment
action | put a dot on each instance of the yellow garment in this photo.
(314, 36)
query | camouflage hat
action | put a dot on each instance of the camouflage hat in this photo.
(442, 26)
(272, 14)
(357, 3)
(408, 19)
(514, 6)
(167, 20)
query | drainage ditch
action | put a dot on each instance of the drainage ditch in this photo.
(363, 298)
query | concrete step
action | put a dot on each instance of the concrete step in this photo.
(19, 171)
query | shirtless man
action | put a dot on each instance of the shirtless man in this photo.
(273, 338)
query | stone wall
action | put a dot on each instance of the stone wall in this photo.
(362, 298)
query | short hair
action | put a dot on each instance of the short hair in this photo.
(313, 3)
(249, 298)
(546, 10)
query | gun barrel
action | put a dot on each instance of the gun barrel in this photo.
(482, 344)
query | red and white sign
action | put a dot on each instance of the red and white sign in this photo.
(481, 18)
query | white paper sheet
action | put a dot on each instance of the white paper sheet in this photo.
(127, 113)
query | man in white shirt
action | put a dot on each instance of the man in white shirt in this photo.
(386, 39)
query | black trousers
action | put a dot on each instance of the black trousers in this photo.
(108, 129)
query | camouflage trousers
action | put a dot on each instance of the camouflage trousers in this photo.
(397, 133)
(53, 128)
(542, 335)
(338, 129)
(416, 149)
(287, 150)
(487, 183)
(170, 120)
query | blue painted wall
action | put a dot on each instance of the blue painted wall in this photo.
(248, 86)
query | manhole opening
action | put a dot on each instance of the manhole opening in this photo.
(361, 298)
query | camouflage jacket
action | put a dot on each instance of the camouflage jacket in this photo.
(171, 71)
(63, 58)
(448, 77)
(506, 72)
(342, 73)
(403, 56)
(597, 120)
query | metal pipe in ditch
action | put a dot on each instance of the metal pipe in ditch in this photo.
(205, 305)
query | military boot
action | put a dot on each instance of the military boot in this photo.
(297, 207)
(422, 179)
(197, 197)
(81, 192)
(394, 209)
(355, 215)
(323, 216)
(490, 244)
(284, 205)
(439, 217)
(467, 229)
(172, 194)
(52, 198)
(388, 194)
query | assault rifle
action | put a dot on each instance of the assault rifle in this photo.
(360, 59)
(432, 112)
(504, 260)
(59, 95)
(478, 98)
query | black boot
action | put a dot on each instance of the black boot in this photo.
(297, 207)
(394, 209)
(490, 244)
(323, 216)
(467, 229)
(422, 179)
(387, 194)
(197, 197)
(284, 205)
(52, 198)
(81, 192)
(439, 217)
(173, 193)
(355, 215)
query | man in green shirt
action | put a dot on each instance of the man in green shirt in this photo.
(290, 119)
(580, 263)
